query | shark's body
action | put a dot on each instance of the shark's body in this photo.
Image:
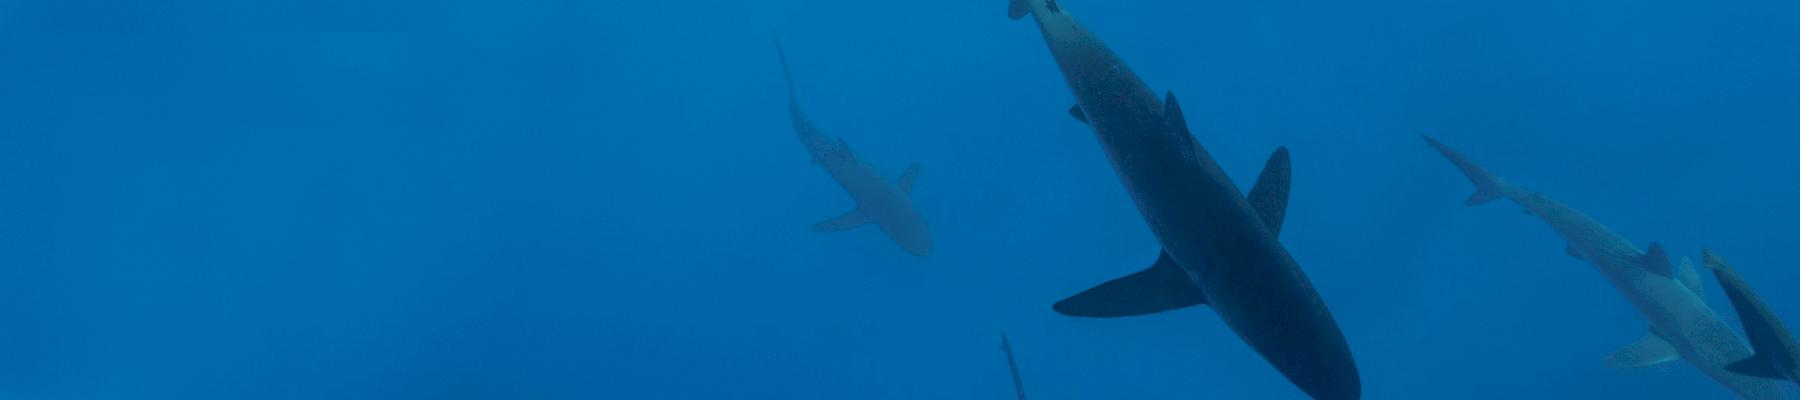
(1681, 324)
(1219, 247)
(1777, 356)
(1018, 383)
(878, 202)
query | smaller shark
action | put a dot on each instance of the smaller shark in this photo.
(1777, 357)
(878, 202)
(1018, 384)
(1681, 324)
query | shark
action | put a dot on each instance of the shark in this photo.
(1681, 325)
(1777, 357)
(1219, 245)
(879, 202)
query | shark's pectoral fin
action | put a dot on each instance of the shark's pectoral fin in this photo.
(1690, 277)
(1270, 195)
(1650, 350)
(908, 178)
(1162, 287)
(1075, 111)
(1757, 365)
(1573, 252)
(851, 220)
(1656, 261)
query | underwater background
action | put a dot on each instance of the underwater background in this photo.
(576, 199)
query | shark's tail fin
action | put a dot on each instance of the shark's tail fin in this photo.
(785, 73)
(1712, 260)
(1487, 187)
(1018, 9)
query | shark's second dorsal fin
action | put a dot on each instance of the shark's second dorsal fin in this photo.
(1270, 195)
(1573, 252)
(1690, 277)
(1075, 111)
(1656, 261)
(1162, 287)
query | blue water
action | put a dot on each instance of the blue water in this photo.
(564, 199)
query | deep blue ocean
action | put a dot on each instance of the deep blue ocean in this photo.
(605, 200)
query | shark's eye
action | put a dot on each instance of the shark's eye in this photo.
(1051, 5)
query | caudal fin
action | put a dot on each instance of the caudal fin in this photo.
(785, 73)
(1487, 187)
(1018, 9)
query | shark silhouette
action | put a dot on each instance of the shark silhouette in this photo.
(879, 202)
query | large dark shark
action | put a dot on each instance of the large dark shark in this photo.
(1681, 325)
(878, 201)
(1777, 357)
(1218, 247)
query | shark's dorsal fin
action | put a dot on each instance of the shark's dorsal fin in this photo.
(1656, 261)
(1573, 252)
(1689, 277)
(843, 148)
(1176, 126)
(1649, 350)
(1270, 195)
(1162, 287)
(1176, 122)
(1075, 111)
(909, 178)
(851, 220)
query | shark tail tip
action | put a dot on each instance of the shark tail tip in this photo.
(1487, 187)
(1711, 260)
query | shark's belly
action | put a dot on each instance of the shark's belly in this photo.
(886, 206)
(1247, 277)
